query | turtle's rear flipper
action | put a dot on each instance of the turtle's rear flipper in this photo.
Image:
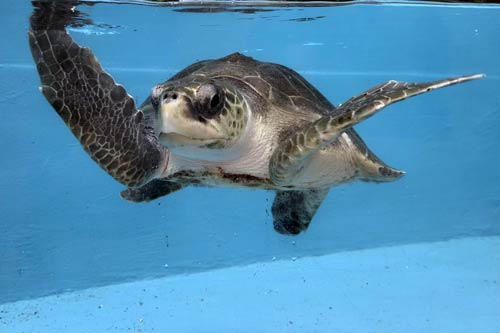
(294, 210)
(152, 190)
(99, 112)
(370, 167)
(289, 157)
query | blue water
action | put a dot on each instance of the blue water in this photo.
(429, 242)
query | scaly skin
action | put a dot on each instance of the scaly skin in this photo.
(289, 157)
(297, 119)
(99, 112)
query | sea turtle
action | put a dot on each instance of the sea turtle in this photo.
(233, 121)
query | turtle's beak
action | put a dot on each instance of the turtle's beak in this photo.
(176, 121)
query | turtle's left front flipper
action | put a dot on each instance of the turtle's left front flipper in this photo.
(99, 112)
(294, 210)
(289, 158)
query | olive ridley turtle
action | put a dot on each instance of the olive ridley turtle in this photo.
(233, 121)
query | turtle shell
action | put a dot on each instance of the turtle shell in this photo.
(280, 86)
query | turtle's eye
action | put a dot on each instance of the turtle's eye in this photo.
(214, 102)
(209, 98)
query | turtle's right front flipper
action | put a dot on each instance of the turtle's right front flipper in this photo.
(99, 112)
(153, 190)
(289, 158)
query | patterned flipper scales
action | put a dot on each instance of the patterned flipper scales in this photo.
(99, 112)
(290, 156)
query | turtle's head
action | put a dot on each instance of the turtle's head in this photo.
(206, 115)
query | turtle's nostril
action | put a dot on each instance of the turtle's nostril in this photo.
(169, 96)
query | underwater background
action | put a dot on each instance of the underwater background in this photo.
(419, 254)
